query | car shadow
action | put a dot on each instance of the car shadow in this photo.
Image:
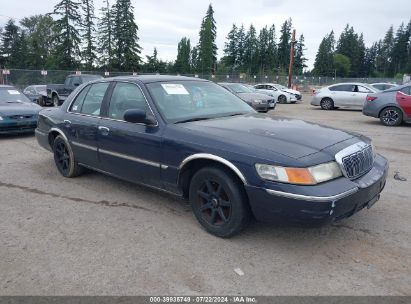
(16, 136)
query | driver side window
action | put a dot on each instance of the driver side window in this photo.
(126, 96)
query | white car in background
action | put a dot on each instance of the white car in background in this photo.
(279, 95)
(275, 86)
(343, 95)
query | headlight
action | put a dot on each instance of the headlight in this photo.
(1, 118)
(257, 101)
(302, 176)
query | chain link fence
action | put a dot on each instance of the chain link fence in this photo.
(22, 78)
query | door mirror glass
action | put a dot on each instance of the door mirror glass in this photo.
(138, 116)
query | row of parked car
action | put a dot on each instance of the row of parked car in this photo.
(388, 102)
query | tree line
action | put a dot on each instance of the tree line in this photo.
(349, 57)
(73, 36)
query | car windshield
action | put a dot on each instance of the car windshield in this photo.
(40, 89)
(10, 95)
(238, 88)
(180, 101)
(280, 87)
(87, 78)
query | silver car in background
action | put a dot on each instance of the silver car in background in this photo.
(343, 95)
(382, 86)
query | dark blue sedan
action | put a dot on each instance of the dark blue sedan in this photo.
(195, 139)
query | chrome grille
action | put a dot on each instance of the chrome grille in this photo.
(23, 116)
(356, 160)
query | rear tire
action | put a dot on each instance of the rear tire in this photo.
(41, 101)
(64, 158)
(391, 116)
(327, 104)
(219, 202)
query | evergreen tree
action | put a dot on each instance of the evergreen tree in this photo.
(251, 55)
(300, 60)
(342, 65)
(263, 50)
(400, 49)
(272, 60)
(127, 49)
(284, 45)
(324, 60)
(89, 51)
(67, 39)
(386, 53)
(182, 64)
(231, 49)
(194, 60)
(241, 60)
(9, 43)
(370, 60)
(207, 48)
(105, 34)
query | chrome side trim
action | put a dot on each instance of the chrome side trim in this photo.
(215, 158)
(312, 198)
(40, 132)
(75, 143)
(60, 132)
(128, 157)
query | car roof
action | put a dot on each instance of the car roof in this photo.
(350, 83)
(393, 84)
(5, 86)
(155, 78)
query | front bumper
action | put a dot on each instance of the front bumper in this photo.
(18, 126)
(260, 106)
(320, 204)
(370, 109)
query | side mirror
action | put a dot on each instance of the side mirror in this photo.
(138, 116)
(76, 84)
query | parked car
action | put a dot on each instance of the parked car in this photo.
(279, 96)
(57, 93)
(342, 95)
(383, 85)
(258, 101)
(295, 95)
(230, 162)
(35, 92)
(17, 113)
(392, 106)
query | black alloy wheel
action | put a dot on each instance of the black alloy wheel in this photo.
(391, 116)
(64, 158)
(219, 202)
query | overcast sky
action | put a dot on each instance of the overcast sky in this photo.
(162, 23)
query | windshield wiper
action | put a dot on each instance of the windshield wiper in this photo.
(192, 119)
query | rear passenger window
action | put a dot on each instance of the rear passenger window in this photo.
(78, 102)
(406, 90)
(342, 88)
(126, 96)
(94, 98)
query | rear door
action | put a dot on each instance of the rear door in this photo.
(81, 123)
(129, 150)
(403, 98)
(359, 97)
(342, 94)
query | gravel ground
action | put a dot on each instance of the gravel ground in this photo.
(95, 235)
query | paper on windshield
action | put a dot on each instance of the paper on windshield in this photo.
(175, 89)
(13, 92)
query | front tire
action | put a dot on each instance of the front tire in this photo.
(391, 117)
(64, 158)
(41, 101)
(219, 202)
(282, 99)
(327, 104)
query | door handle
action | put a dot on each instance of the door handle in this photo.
(103, 130)
(67, 123)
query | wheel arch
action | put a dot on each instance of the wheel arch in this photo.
(53, 133)
(190, 165)
(391, 105)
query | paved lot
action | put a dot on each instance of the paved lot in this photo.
(98, 235)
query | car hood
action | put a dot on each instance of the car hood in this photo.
(19, 108)
(289, 137)
(253, 96)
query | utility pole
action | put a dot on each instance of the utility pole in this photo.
(290, 68)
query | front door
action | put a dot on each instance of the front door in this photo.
(129, 150)
(81, 123)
